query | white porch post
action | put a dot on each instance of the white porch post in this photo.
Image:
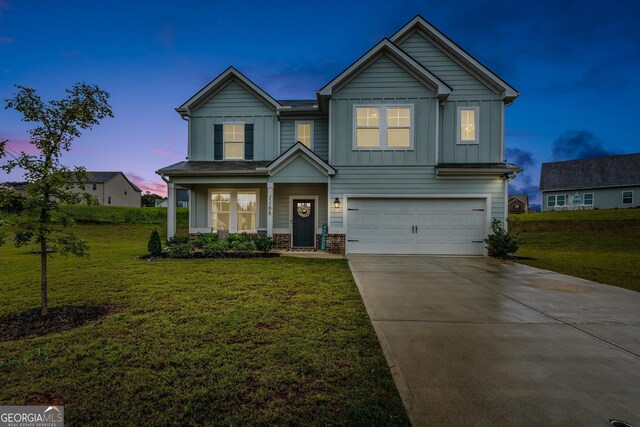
(171, 209)
(270, 208)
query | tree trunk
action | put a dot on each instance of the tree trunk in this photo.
(43, 275)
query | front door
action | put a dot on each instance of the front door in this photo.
(304, 223)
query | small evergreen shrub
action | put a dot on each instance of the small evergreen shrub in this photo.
(265, 243)
(214, 249)
(202, 240)
(243, 248)
(501, 243)
(180, 250)
(155, 245)
(234, 238)
(178, 239)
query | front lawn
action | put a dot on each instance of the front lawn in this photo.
(226, 341)
(599, 245)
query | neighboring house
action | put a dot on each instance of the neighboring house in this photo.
(596, 183)
(519, 203)
(402, 152)
(182, 199)
(113, 188)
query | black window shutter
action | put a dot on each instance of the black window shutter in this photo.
(217, 142)
(248, 141)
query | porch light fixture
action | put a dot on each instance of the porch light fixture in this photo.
(336, 203)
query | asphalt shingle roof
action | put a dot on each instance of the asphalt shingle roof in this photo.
(214, 167)
(610, 171)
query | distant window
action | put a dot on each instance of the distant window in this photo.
(95, 186)
(109, 200)
(387, 127)
(304, 133)
(516, 207)
(468, 125)
(125, 192)
(627, 197)
(553, 201)
(233, 135)
(587, 199)
(560, 199)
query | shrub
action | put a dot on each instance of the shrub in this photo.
(501, 243)
(154, 246)
(233, 238)
(264, 243)
(243, 248)
(178, 239)
(202, 240)
(180, 250)
(214, 249)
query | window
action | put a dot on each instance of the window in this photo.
(560, 199)
(109, 200)
(220, 211)
(627, 197)
(125, 192)
(468, 125)
(383, 127)
(234, 211)
(587, 199)
(95, 186)
(553, 201)
(233, 137)
(516, 207)
(304, 133)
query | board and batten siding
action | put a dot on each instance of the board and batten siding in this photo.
(467, 91)
(416, 180)
(383, 82)
(603, 198)
(233, 103)
(320, 136)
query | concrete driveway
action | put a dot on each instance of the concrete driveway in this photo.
(477, 341)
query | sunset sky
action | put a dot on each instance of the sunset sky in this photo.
(576, 64)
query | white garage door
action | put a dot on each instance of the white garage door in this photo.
(416, 226)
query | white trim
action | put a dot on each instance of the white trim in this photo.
(476, 124)
(311, 124)
(270, 206)
(632, 197)
(171, 209)
(437, 131)
(346, 197)
(233, 206)
(505, 214)
(425, 76)
(329, 203)
(593, 199)
(382, 127)
(315, 214)
(330, 138)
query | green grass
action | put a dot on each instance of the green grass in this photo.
(599, 245)
(123, 215)
(234, 342)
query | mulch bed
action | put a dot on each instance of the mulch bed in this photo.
(199, 255)
(31, 323)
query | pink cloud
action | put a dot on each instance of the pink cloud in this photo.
(19, 145)
(164, 152)
(155, 186)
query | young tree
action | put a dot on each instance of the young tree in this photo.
(49, 183)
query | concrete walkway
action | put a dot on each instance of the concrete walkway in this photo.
(477, 341)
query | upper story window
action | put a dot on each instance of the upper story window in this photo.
(304, 133)
(233, 136)
(627, 197)
(468, 125)
(384, 127)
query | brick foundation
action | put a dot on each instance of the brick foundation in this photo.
(336, 243)
(283, 240)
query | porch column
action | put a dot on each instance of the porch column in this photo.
(270, 208)
(171, 209)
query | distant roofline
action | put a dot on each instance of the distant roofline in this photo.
(590, 158)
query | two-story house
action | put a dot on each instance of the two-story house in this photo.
(402, 152)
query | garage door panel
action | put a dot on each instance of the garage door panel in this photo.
(444, 226)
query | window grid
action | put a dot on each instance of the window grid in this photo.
(627, 197)
(233, 137)
(587, 199)
(304, 133)
(383, 127)
(468, 125)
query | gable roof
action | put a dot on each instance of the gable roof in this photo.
(218, 83)
(399, 56)
(597, 172)
(524, 198)
(294, 151)
(102, 177)
(450, 48)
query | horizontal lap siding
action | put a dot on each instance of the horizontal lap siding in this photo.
(233, 103)
(383, 82)
(603, 198)
(413, 180)
(282, 192)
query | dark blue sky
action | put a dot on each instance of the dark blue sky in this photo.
(577, 65)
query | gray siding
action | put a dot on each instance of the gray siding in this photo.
(419, 180)
(233, 103)
(383, 82)
(282, 192)
(603, 198)
(320, 136)
(114, 188)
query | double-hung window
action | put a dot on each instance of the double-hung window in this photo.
(468, 125)
(557, 200)
(233, 135)
(587, 199)
(627, 197)
(234, 211)
(383, 127)
(304, 133)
